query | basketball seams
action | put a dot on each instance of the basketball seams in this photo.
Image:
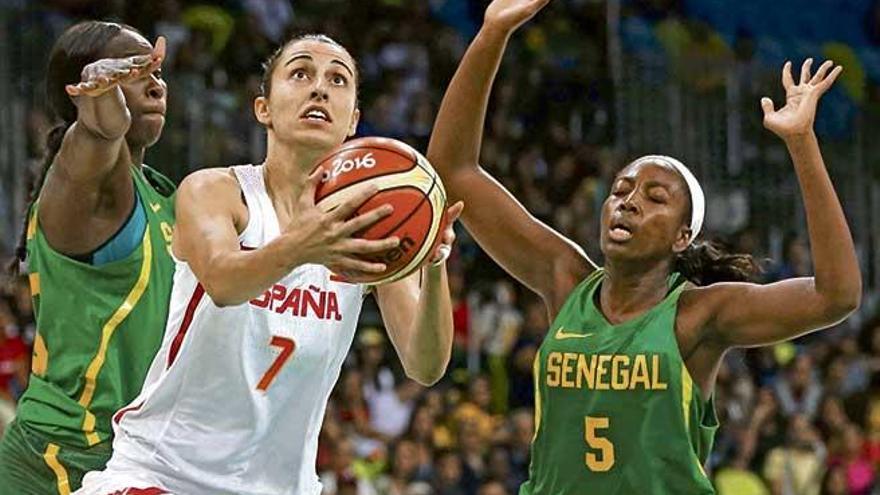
(425, 198)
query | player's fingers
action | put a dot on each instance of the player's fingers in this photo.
(448, 237)
(367, 246)
(805, 70)
(358, 198)
(140, 60)
(829, 81)
(83, 88)
(159, 48)
(822, 72)
(354, 265)
(787, 81)
(454, 212)
(365, 220)
(311, 184)
(767, 106)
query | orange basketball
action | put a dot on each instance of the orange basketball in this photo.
(406, 181)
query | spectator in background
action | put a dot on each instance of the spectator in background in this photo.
(498, 323)
(342, 478)
(795, 259)
(853, 458)
(273, 17)
(493, 487)
(14, 358)
(797, 467)
(835, 482)
(449, 474)
(403, 469)
(798, 390)
(390, 401)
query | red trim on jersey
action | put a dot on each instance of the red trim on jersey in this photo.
(120, 413)
(184, 325)
(140, 491)
(247, 248)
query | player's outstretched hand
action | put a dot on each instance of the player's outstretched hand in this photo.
(103, 75)
(797, 116)
(326, 238)
(508, 15)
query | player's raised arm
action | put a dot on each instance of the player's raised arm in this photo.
(749, 314)
(88, 191)
(529, 250)
(210, 214)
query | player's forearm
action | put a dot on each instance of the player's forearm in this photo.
(236, 277)
(836, 266)
(458, 130)
(429, 346)
(106, 116)
(92, 145)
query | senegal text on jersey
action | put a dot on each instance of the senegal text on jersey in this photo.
(604, 371)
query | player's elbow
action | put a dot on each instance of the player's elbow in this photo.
(842, 304)
(426, 379)
(426, 374)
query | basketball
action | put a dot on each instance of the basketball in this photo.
(406, 181)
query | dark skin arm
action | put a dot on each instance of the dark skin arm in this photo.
(716, 318)
(525, 247)
(88, 193)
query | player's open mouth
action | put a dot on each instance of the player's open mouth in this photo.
(619, 232)
(316, 114)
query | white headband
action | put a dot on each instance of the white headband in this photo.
(698, 199)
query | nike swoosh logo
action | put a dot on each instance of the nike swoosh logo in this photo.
(156, 207)
(562, 335)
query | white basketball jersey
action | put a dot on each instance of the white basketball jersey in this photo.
(235, 398)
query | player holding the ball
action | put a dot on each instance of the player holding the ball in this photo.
(260, 320)
(624, 378)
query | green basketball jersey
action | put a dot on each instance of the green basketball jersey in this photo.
(98, 327)
(616, 411)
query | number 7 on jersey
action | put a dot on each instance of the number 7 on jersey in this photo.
(287, 347)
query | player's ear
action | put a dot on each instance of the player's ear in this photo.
(261, 111)
(355, 118)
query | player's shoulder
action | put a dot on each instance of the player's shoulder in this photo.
(215, 181)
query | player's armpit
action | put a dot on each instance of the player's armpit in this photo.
(745, 314)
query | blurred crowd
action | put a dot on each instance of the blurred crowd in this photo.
(799, 418)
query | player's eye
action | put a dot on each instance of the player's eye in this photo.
(339, 80)
(299, 74)
(658, 196)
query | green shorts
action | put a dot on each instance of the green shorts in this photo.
(30, 464)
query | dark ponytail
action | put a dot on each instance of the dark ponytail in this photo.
(53, 144)
(77, 47)
(707, 262)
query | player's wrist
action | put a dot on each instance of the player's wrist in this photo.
(495, 32)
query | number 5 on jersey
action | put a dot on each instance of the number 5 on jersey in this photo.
(604, 460)
(287, 347)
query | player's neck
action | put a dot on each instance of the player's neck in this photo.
(285, 171)
(133, 155)
(626, 293)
